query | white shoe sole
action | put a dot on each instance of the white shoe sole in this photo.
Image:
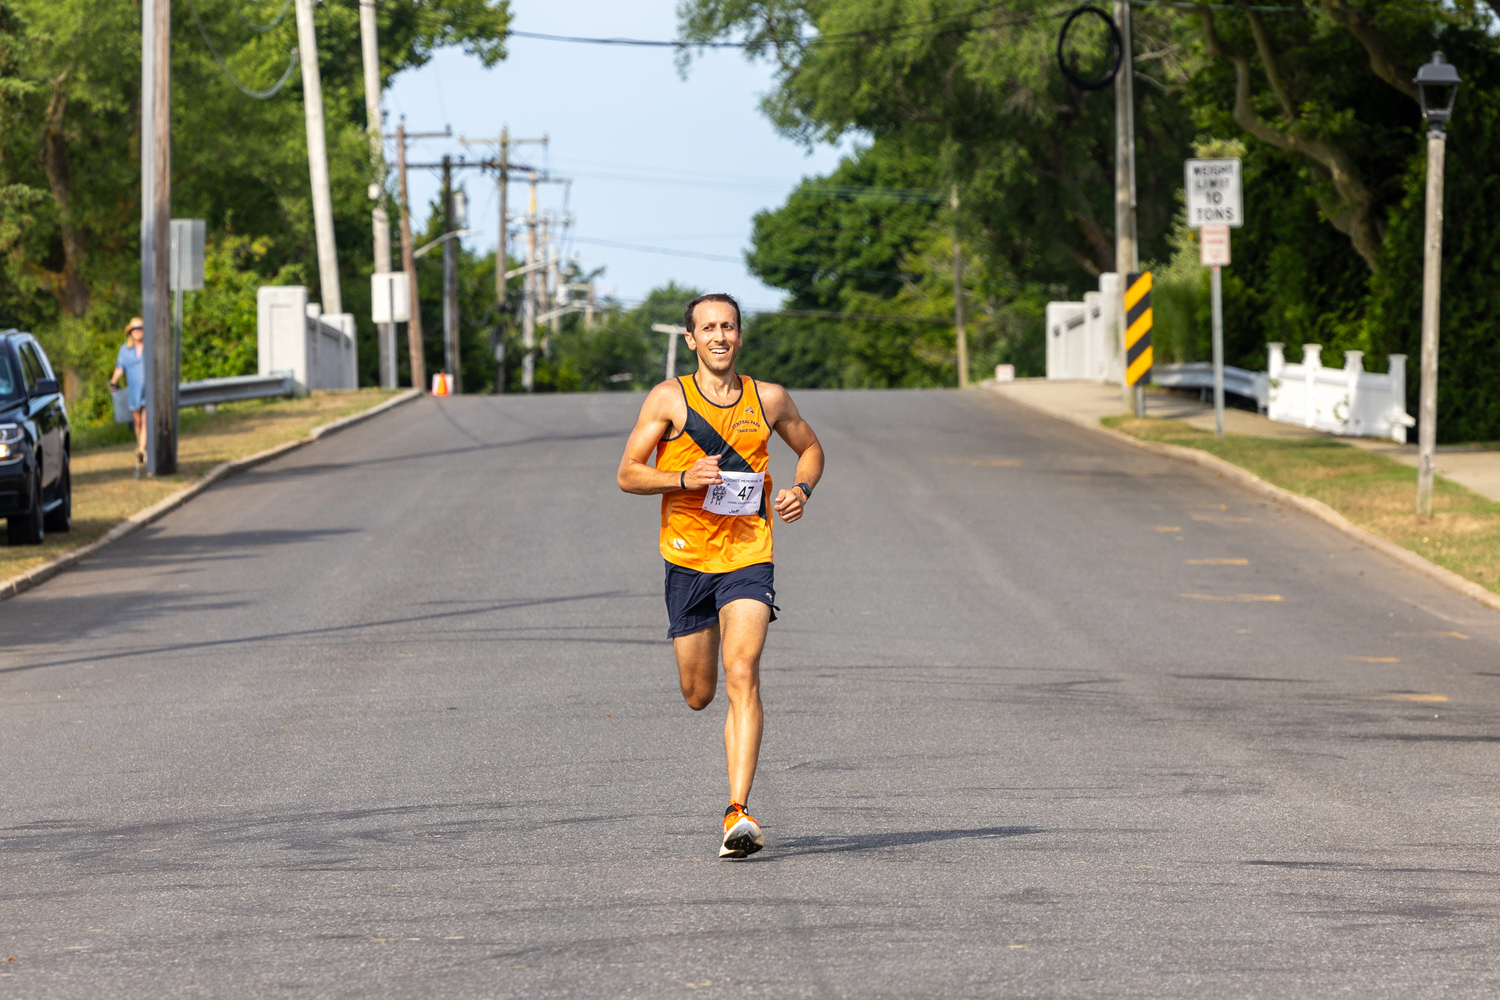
(742, 840)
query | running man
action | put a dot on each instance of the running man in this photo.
(710, 431)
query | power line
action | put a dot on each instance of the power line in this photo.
(259, 95)
(790, 265)
(661, 250)
(885, 32)
(823, 39)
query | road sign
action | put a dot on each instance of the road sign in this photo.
(186, 271)
(1213, 245)
(1213, 192)
(1138, 329)
(390, 298)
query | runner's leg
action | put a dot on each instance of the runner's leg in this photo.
(698, 666)
(743, 624)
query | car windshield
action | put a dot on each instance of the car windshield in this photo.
(10, 379)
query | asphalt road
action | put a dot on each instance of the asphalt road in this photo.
(395, 716)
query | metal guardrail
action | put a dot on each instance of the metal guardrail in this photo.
(1200, 375)
(211, 391)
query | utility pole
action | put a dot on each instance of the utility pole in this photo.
(958, 298)
(1125, 244)
(673, 332)
(370, 49)
(502, 261)
(528, 296)
(156, 219)
(317, 161)
(554, 292)
(502, 248)
(450, 281)
(409, 265)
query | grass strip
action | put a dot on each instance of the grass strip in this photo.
(1373, 491)
(106, 491)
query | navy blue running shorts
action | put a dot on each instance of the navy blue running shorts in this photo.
(694, 598)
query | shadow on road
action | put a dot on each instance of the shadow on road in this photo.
(262, 475)
(487, 608)
(879, 841)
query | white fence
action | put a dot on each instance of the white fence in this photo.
(294, 336)
(1347, 400)
(1083, 339)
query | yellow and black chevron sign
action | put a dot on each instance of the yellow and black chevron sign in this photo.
(1138, 329)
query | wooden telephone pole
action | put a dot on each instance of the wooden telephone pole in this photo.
(960, 334)
(502, 248)
(1125, 242)
(156, 221)
(451, 360)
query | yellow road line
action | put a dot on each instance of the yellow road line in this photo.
(1411, 697)
(1217, 562)
(1374, 659)
(1432, 635)
(1165, 527)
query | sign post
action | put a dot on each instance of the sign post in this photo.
(185, 275)
(1138, 320)
(1215, 204)
(1213, 245)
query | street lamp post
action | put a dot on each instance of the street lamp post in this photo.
(1437, 74)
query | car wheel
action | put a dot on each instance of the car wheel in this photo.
(60, 518)
(29, 529)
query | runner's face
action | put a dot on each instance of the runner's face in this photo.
(716, 336)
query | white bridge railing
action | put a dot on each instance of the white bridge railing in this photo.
(1347, 400)
(294, 336)
(1083, 340)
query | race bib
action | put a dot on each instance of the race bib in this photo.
(739, 493)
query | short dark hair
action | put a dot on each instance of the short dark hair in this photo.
(687, 314)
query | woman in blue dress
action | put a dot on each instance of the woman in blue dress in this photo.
(131, 364)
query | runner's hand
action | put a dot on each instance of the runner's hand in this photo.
(789, 504)
(704, 472)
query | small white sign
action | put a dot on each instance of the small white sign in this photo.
(1213, 245)
(1213, 193)
(389, 298)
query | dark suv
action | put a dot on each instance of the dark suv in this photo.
(36, 491)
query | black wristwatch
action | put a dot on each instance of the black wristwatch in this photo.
(806, 489)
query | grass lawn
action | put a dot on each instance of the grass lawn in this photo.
(105, 490)
(1372, 491)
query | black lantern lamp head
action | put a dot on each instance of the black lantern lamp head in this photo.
(1431, 80)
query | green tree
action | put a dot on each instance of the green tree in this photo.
(69, 163)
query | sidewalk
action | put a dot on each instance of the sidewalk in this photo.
(1087, 403)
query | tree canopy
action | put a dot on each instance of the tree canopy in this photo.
(968, 95)
(70, 154)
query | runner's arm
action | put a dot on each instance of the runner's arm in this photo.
(655, 423)
(799, 436)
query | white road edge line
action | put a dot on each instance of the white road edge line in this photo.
(22, 582)
(1307, 505)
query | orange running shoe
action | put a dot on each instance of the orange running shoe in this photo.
(741, 833)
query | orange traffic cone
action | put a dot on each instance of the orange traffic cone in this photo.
(442, 384)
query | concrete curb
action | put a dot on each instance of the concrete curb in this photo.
(1307, 505)
(23, 582)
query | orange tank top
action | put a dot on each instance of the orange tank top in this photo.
(696, 538)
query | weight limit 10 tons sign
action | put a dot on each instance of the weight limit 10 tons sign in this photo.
(1214, 197)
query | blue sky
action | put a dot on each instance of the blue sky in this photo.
(656, 160)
